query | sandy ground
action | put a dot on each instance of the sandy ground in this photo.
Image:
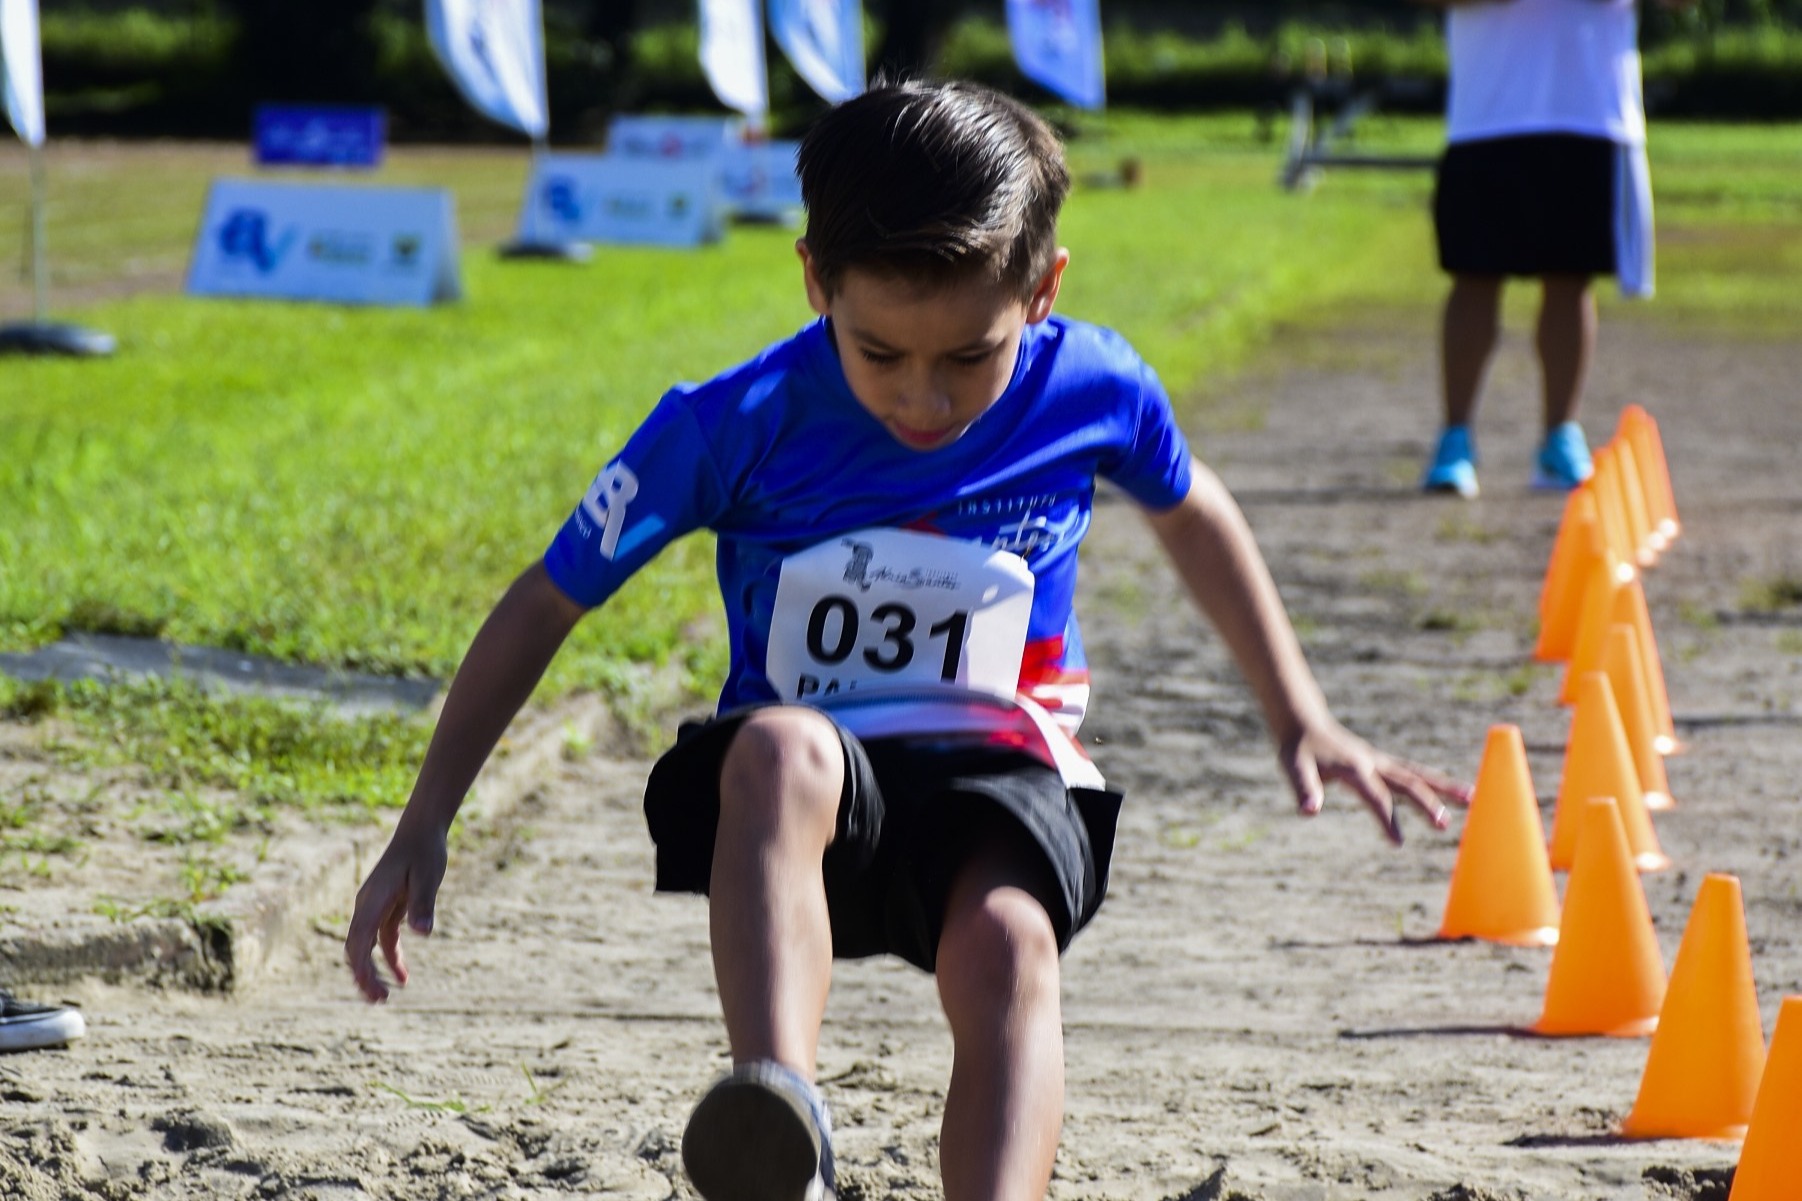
(1256, 1014)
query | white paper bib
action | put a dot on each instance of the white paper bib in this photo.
(886, 608)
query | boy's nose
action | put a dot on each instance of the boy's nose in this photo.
(925, 399)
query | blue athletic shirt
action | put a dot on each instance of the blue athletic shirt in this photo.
(777, 456)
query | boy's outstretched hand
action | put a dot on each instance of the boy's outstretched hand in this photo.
(402, 886)
(1325, 751)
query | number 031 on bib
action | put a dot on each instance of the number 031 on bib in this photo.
(885, 608)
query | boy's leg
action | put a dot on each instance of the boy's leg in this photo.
(997, 973)
(780, 784)
(1467, 335)
(1566, 339)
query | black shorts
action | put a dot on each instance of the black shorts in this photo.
(1540, 204)
(912, 813)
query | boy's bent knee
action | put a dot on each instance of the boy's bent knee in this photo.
(998, 949)
(784, 760)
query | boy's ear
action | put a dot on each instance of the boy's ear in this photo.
(1044, 296)
(816, 292)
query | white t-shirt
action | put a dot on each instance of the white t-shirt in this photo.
(1545, 66)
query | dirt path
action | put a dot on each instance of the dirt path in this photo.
(1252, 1016)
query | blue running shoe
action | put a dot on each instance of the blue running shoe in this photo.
(761, 1134)
(1563, 459)
(1454, 466)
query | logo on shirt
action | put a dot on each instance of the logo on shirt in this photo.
(861, 570)
(606, 503)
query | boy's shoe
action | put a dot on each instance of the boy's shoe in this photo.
(1454, 465)
(760, 1134)
(1563, 459)
(26, 1026)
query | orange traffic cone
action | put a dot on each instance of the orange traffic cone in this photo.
(1627, 680)
(1630, 607)
(1606, 578)
(1578, 545)
(1607, 976)
(1771, 1161)
(1610, 505)
(1502, 883)
(1702, 1071)
(1649, 449)
(1598, 762)
(1633, 493)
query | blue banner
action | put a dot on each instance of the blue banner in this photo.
(1058, 46)
(823, 39)
(319, 136)
(493, 51)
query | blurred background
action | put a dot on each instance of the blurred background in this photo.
(196, 68)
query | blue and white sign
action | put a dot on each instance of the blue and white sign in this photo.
(22, 69)
(612, 198)
(759, 181)
(1058, 45)
(823, 39)
(319, 135)
(351, 245)
(673, 137)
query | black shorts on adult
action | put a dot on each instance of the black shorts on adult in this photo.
(912, 812)
(1539, 204)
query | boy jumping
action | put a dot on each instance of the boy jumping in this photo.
(898, 492)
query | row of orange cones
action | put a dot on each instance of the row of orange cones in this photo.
(1707, 1059)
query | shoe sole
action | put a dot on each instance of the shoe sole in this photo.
(1449, 490)
(39, 1031)
(750, 1140)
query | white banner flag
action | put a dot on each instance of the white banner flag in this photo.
(21, 69)
(824, 41)
(494, 52)
(1058, 44)
(732, 55)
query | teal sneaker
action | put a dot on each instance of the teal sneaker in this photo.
(1563, 459)
(1454, 465)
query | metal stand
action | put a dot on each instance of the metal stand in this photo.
(39, 336)
(531, 245)
(1311, 149)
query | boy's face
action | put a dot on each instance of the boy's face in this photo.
(927, 362)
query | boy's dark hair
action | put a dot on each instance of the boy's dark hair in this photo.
(933, 182)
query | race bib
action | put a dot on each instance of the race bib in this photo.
(886, 608)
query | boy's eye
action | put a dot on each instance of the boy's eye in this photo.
(973, 359)
(880, 358)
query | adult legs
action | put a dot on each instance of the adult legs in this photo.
(1468, 334)
(997, 973)
(772, 939)
(1566, 340)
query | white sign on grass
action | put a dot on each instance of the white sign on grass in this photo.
(633, 136)
(610, 198)
(760, 181)
(349, 244)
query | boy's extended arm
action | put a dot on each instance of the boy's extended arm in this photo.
(1212, 548)
(510, 652)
